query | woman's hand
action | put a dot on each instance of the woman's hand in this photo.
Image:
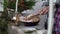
(44, 10)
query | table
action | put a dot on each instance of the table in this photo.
(19, 29)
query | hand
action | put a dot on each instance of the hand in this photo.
(44, 10)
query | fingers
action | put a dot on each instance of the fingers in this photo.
(47, 9)
(44, 10)
(41, 12)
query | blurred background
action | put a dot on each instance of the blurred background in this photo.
(7, 10)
